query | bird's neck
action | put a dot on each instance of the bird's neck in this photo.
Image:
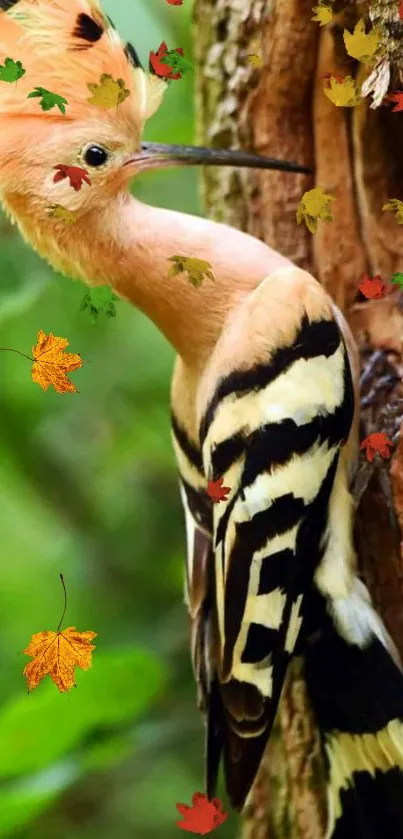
(190, 317)
(127, 245)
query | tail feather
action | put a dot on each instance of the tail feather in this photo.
(357, 696)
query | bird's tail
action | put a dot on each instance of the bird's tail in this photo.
(357, 694)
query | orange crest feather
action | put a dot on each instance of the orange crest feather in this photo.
(45, 36)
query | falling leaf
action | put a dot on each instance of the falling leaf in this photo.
(75, 174)
(217, 491)
(52, 363)
(11, 70)
(360, 45)
(57, 211)
(329, 76)
(323, 14)
(49, 100)
(177, 62)
(344, 94)
(57, 654)
(203, 816)
(175, 2)
(372, 287)
(397, 278)
(397, 207)
(313, 206)
(108, 93)
(255, 60)
(398, 99)
(376, 443)
(195, 268)
(158, 67)
(100, 300)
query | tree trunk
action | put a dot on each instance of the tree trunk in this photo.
(280, 110)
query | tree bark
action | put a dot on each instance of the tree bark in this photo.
(280, 110)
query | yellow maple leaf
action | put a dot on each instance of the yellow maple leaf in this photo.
(52, 363)
(57, 654)
(344, 94)
(108, 93)
(360, 45)
(397, 207)
(323, 14)
(255, 59)
(314, 206)
(57, 211)
(196, 269)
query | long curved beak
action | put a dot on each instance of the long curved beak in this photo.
(161, 156)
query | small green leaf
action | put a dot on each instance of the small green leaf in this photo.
(178, 62)
(100, 300)
(11, 71)
(49, 100)
(397, 278)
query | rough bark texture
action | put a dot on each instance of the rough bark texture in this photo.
(280, 110)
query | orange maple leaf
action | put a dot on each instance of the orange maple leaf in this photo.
(57, 654)
(52, 363)
(374, 443)
(217, 491)
(203, 816)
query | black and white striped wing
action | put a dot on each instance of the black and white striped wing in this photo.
(273, 432)
(200, 561)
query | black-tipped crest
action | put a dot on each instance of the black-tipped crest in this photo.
(88, 30)
(132, 56)
(5, 5)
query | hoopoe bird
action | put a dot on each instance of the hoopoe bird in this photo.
(264, 395)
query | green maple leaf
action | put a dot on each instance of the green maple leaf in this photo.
(49, 100)
(178, 62)
(11, 70)
(397, 278)
(100, 300)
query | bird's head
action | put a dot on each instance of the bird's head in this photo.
(78, 100)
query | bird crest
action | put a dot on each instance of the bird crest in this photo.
(69, 47)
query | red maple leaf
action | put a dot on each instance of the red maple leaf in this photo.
(397, 98)
(203, 816)
(159, 67)
(74, 173)
(216, 491)
(372, 287)
(401, 9)
(175, 2)
(374, 443)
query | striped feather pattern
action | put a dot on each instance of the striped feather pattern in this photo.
(278, 577)
(273, 433)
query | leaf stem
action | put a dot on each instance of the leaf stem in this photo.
(65, 603)
(9, 349)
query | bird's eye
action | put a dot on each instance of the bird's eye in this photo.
(95, 155)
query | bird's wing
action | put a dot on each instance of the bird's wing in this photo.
(275, 405)
(199, 562)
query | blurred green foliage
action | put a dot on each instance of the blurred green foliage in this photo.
(88, 488)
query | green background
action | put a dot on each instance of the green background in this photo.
(88, 488)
